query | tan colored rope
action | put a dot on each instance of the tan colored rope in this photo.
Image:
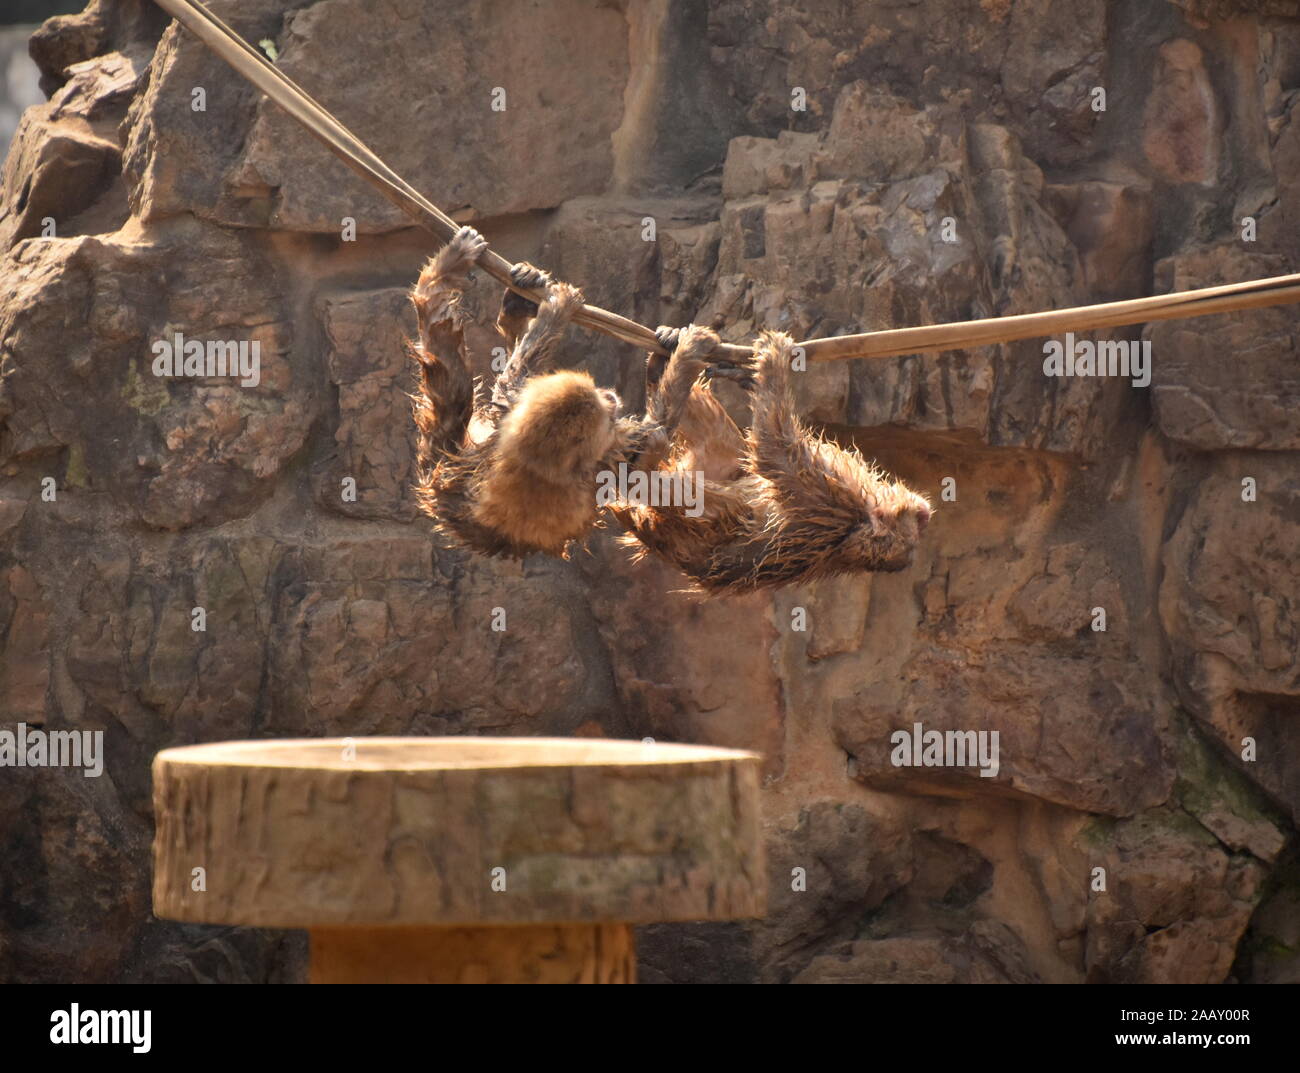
(252, 65)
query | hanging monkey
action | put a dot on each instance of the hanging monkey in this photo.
(515, 472)
(779, 505)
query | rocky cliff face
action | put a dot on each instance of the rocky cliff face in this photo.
(830, 169)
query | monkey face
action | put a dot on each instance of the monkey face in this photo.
(887, 538)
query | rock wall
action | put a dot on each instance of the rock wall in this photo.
(822, 168)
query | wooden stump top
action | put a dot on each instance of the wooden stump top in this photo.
(455, 831)
(426, 754)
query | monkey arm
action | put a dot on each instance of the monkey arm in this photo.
(534, 352)
(668, 385)
(666, 398)
(814, 483)
(444, 401)
(711, 442)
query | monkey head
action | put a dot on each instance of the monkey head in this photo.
(561, 426)
(886, 538)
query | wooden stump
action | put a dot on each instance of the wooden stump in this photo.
(458, 859)
(509, 954)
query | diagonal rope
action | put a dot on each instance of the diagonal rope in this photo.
(257, 69)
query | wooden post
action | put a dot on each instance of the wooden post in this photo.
(458, 860)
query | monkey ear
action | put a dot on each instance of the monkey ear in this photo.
(875, 524)
(923, 514)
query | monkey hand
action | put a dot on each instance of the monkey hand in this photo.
(438, 292)
(515, 307)
(460, 254)
(529, 277)
(692, 346)
(667, 337)
(694, 342)
(647, 445)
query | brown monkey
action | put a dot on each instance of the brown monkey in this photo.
(515, 473)
(778, 506)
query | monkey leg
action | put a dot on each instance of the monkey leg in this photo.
(645, 442)
(711, 443)
(711, 454)
(675, 403)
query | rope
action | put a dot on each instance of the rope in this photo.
(257, 69)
